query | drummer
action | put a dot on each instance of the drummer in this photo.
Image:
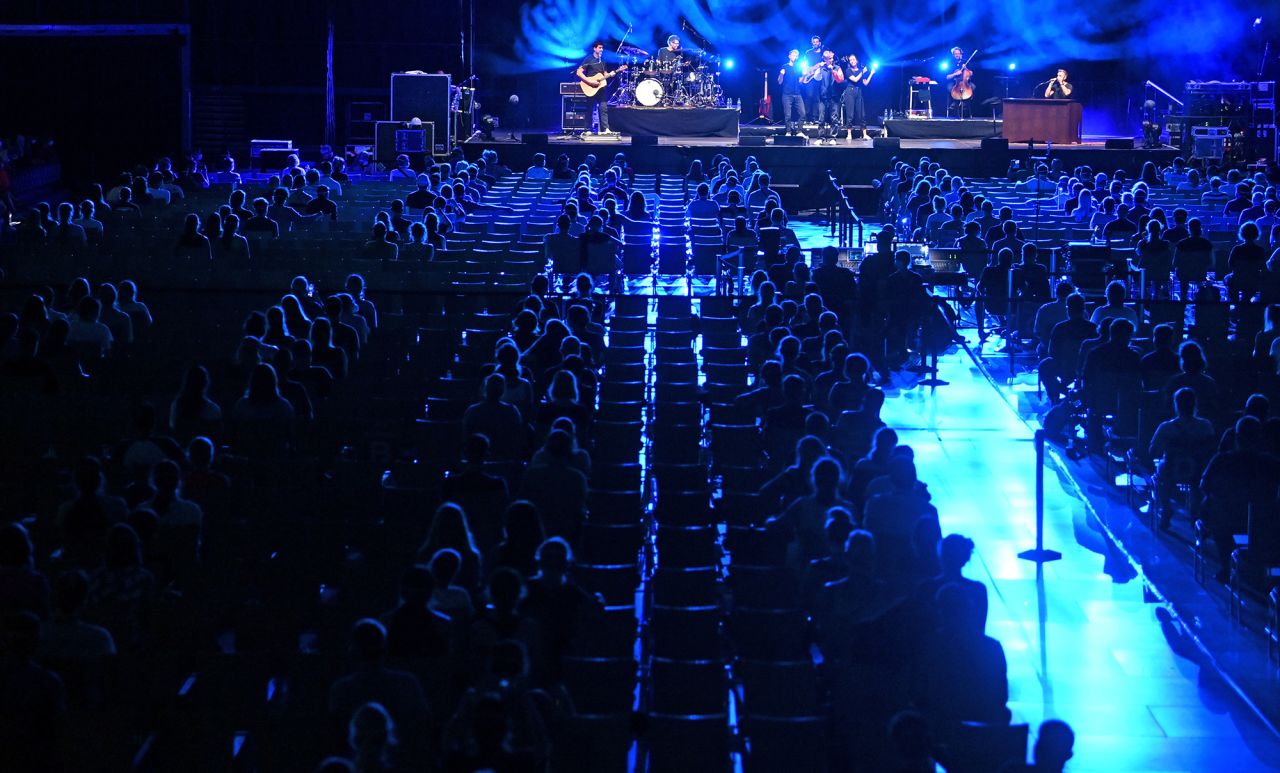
(672, 52)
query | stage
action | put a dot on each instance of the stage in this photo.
(942, 128)
(802, 170)
(676, 121)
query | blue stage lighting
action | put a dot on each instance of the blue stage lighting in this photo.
(728, 64)
(875, 65)
(1013, 65)
(942, 66)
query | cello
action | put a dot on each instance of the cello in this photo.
(962, 89)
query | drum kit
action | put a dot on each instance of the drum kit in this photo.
(690, 80)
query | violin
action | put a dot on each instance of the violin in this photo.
(962, 89)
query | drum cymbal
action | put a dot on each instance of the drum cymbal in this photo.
(627, 48)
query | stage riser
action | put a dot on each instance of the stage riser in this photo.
(807, 166)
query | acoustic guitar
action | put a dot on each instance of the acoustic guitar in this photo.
(765, 110)
(591, 86)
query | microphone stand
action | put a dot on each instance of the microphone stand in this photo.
(623, 42)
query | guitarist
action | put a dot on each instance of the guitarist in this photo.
(594, 72)
(961, 74)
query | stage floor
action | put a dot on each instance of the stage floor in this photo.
(1091, 142)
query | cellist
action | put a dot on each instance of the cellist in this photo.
(959, 85)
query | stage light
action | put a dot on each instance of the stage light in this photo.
(803, 64)
(1257, 21)
(875, 65)
(728, 64)
(1013, 65)
(942, 66)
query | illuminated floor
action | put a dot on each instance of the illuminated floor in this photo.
(1080, 646)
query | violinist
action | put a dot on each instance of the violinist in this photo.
(959, 85)
(827, 75)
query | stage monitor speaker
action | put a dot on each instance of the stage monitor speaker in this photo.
(995, 144)
(751, 140)
(887, 143)
(391, 138)
(644, 139)
(798, 140)
(1123, 143)
(426, 97)
(537, 139)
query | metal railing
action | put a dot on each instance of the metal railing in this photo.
(841, 216)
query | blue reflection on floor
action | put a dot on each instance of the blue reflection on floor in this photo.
(1081, 646)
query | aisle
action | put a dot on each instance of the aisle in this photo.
(1080, 646)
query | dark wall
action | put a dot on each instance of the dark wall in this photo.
(107, 102)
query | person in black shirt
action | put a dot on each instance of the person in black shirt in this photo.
(855, 77)
(1058, 88)
(672, 52)
(593, 71)
(792, 101)
(812, 92)
(827, 75)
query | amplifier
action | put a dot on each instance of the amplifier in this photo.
(1209, 142)
(575, 113)
(256, 147)
(391, 138)
(572, 89)
(424, 96)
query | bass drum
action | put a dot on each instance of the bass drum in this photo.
(649, 92)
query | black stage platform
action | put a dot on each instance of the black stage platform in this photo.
(801, 172)
(942, 128)
(675, 121)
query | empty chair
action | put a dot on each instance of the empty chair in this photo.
(769, 634)
(686, 633)
(593, 744)
(626, 412)
(736, 445)
(685, 743)
(614, 507)
(763, 587)
(617, 477)
(679, 392)
(678, 412)
(778, 688)
(785, 744)
(698, 586)
(688, 687)
(683, 508)
(754, 546)
(606, 544)
(611, 634)
(680, 477)
(615, 584)
(600, 685)
(621, 391)
(616, 442)
(687, 546)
